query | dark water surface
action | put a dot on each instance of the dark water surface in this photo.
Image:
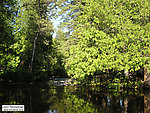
(45, 98)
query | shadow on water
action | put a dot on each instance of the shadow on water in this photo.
(45, 98)
(34, 97)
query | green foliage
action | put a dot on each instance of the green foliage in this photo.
(110, 35)
(34, 35)
(104, 35)
(8, 58)
(26, 37)
(59, 53)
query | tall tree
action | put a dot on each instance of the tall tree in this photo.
(61, 48)
(8, 58)
(34, 34)
(110, 35)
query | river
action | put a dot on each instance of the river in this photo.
(46, 98)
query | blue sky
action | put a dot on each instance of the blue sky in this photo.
(56, 23)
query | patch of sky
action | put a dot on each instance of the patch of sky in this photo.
(58, 20)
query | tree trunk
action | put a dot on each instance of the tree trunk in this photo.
(33, 53)
(146, 78)
(147, 103)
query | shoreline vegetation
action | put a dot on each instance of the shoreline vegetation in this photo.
(103, 81)
(107, 42)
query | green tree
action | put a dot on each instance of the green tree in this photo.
(60, 49)
(34, 35)
(61, 42)
(8, 57)
(110, 35)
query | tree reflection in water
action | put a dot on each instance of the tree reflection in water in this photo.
(45, 98)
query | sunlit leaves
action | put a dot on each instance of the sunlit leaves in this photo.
(9, 60)
(111, 35)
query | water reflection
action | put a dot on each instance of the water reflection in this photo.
(34, 97)
(45, 98)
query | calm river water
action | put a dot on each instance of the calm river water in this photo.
(45, 98)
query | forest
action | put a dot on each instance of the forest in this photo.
(107, 42)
